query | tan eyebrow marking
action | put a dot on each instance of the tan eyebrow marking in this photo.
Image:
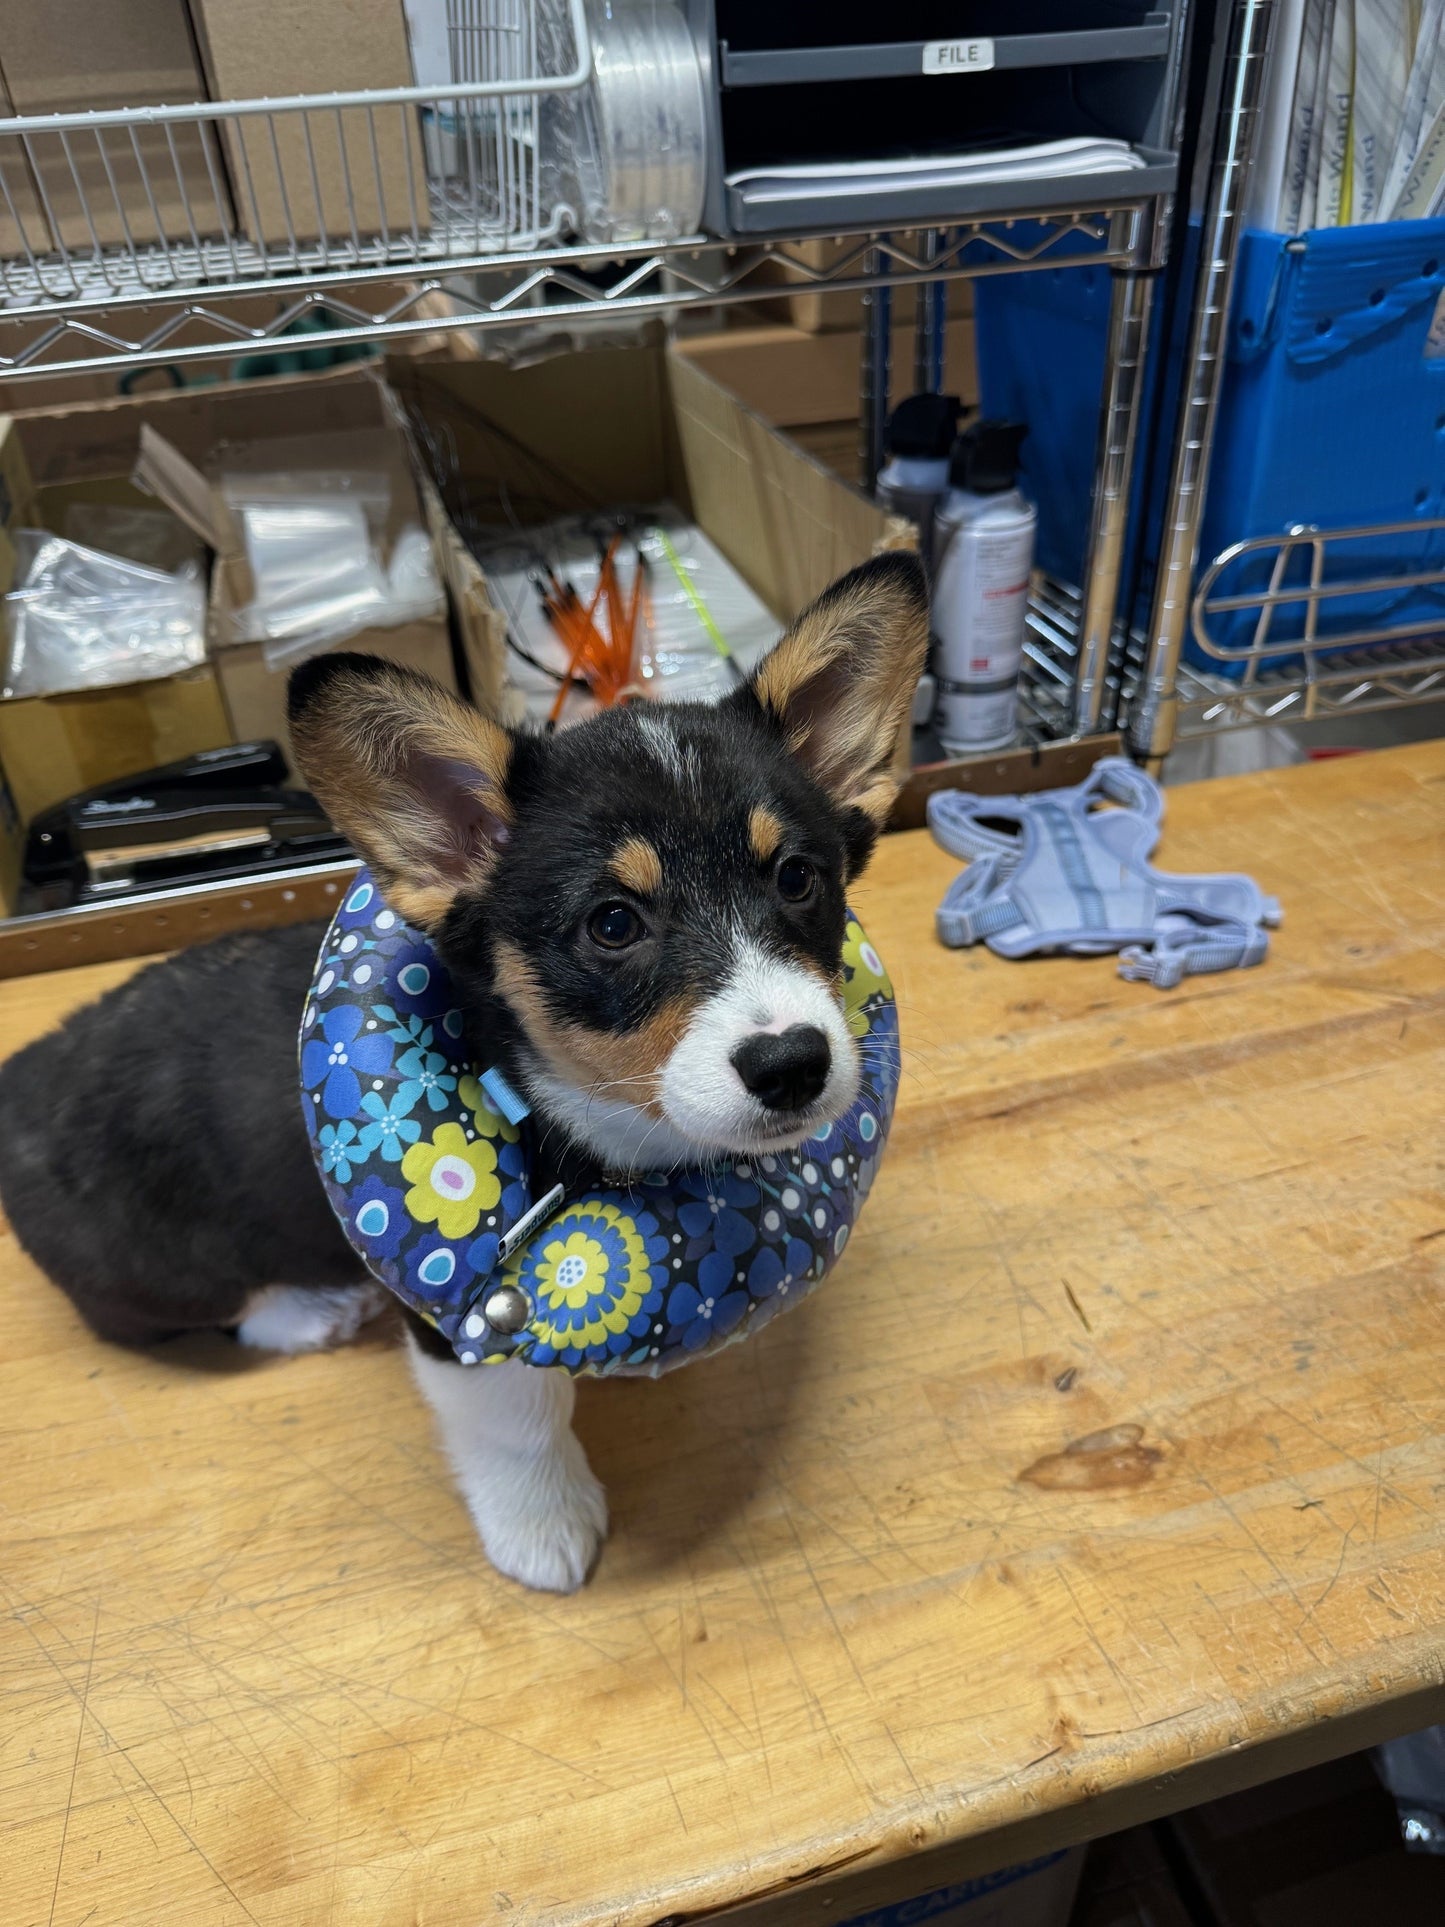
(637, 867)
(765, 832)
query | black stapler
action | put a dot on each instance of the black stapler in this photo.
(221, 813)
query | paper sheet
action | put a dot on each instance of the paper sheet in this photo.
(1332, 203)
(1382, 74)
(1040, 160)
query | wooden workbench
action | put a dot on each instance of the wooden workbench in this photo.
(859, 1629)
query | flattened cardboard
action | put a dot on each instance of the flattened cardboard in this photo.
(109, 187)
(254, 49)
(164, 472)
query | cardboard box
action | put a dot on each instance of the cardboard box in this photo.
(1038, 1893)
(51, 746)
(252, 49)
(76, 56)
(796, 380)
(1127, 1883)
(343, 425)
(645, 425)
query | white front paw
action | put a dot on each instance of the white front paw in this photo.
(542, 1521)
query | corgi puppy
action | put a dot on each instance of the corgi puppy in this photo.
(644, 918)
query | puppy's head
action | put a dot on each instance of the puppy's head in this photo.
(654, 897)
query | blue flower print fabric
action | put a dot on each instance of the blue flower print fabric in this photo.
(427, 1177)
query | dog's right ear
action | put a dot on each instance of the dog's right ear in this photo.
(410, 774)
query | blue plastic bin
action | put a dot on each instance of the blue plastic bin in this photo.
(1332, 413)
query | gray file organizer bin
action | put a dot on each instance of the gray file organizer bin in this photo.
(790, 83)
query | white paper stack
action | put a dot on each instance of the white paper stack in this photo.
(1353, 117)
(981, 167)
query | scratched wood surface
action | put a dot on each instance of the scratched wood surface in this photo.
(841, 1646)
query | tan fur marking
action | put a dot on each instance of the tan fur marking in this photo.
(364, 747)
(765, 833)
(841, 682)
(622, 1066)
(637, 867)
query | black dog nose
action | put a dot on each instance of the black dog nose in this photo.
(787, 1069)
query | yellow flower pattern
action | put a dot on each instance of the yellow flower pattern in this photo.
(863, 977)
(488, 1122)
(453, 1181)
(589, 1279)
(634, 1279)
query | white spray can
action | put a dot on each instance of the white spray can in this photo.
(917, 448)
(983, 550)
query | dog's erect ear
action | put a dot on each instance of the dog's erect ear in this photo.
(413, 776)
(841, 681)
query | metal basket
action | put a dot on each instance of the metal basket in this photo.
(128, 204)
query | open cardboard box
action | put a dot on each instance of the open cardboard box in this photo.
(253, 689)
(51, 746)
(606, 427)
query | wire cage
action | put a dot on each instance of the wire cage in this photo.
(134, 203)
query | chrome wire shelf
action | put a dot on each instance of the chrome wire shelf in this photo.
(1394, 676)
(129, 204)
(1282, 681)
(141, 323)
(1303, 676)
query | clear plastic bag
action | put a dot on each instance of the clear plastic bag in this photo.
(316, 541)
(81, 619)
(151, 536)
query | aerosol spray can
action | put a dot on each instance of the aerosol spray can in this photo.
(917, 446)
(983, 550)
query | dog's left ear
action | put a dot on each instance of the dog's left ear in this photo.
(841, 681)
(412, 775)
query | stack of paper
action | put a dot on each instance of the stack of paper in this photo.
(980, 167)
(1353, 120)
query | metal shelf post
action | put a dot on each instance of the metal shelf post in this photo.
(1152, 717)
(1130, 305)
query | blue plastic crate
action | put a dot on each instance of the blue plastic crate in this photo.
(1332, 413)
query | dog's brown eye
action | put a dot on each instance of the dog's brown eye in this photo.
(614, 926)
(796, 877)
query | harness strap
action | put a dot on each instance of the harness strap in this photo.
(969, 912)
(1176, 954)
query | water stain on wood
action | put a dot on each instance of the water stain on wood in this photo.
(1111, 1460)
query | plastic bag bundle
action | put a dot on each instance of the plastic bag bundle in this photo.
(81, 619)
